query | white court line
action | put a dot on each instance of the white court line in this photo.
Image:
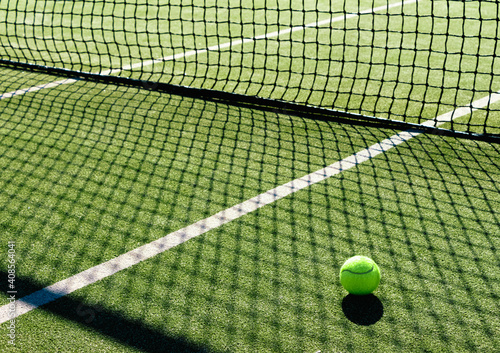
(213, 48)
(263, 36)
(36, 88)
(133, 257)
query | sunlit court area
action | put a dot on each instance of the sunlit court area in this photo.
(192, 176)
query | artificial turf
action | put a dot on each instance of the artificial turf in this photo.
(90, 171)
(101, 169)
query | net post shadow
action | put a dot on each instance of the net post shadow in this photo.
(129, 332)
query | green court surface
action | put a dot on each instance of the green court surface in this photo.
(91, 170)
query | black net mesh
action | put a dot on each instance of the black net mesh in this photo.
(409, 61)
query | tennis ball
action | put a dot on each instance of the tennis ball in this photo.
(360, 275)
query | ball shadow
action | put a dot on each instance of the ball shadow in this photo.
(362, 309)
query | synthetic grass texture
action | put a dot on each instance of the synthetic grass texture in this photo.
(87, 167)
(91, 171)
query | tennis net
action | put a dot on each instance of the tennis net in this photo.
(409, 61)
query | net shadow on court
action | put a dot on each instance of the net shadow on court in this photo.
(91, 171)
(132, 333)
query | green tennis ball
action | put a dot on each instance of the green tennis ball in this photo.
(360, 275)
